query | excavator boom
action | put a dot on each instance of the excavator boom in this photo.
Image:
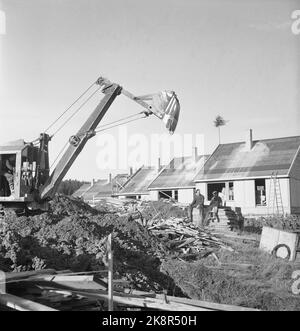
(78, 141)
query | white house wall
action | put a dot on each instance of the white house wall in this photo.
(244, 196)
(185, 195)
(153, 196)
(285, 193)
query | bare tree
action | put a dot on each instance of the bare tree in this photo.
(218, 122)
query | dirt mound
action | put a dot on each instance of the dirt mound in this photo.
(73, 236)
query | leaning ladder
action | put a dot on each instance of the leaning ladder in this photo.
(275, 198)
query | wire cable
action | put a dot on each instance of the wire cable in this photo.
(51, 125)
(113, 126)
(77, 110)
(59, 154)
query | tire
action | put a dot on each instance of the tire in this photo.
(274, 251)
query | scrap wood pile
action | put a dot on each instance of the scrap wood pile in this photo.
(167, 221)
(183, 237)
(50, 290)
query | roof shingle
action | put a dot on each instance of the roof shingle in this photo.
(234, 161)
(180, 173)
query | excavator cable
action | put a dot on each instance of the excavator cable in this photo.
(81, 96)
(75, 112)
(112, 124)
(59, 154)
(104, 128)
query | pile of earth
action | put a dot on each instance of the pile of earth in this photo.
(72, 236)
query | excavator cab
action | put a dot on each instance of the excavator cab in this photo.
(24, 167)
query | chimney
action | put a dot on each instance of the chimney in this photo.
(109, 178)
(249, 140)
(158, 164)
(131, 171)
(195, 154)
(93, 182)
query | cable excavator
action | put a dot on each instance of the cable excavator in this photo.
(26, 182)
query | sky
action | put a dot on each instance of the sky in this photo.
(236, 58)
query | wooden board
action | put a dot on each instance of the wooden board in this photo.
(21, 304)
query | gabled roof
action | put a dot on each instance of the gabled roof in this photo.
(234, 161)
(16, 145)
(180, 173)
(101, 188)
(119, 182)
(104, 188)
(81, 190)
(139, 182)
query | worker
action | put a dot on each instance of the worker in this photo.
(9, 173)
(215, 204)
(198, 203)
(222, 195)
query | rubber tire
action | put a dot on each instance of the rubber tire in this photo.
(274, 251)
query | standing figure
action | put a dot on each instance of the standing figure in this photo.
(9, 173)
(198, 203)
(215, 204)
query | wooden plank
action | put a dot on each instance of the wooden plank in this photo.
(199, 303)
(22, 304)
(110, 274)
(74, 282)
(26, 274)
(210, 305)
(144, 302)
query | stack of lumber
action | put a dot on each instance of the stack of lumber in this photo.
(182, 236)
(50, 290)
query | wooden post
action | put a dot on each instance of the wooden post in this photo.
(2, 282)
(110, 274)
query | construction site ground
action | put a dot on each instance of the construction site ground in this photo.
(155, 251)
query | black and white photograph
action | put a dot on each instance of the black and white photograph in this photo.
(149, 158)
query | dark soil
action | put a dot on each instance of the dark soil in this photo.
(72, 236)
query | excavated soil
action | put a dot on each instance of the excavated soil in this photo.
(72, 236)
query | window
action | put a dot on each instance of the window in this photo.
(176, 195)
(231, 191)
(165, 194)
(260, 192)
(219, 187)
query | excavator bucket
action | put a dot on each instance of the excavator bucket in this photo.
(167, 105)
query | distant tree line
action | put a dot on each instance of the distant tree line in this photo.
(69, 186)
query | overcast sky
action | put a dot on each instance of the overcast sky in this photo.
(236, 58)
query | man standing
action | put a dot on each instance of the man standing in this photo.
(198, 202)
(215, 204)
(9, 173)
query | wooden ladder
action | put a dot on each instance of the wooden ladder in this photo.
(275, 198)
